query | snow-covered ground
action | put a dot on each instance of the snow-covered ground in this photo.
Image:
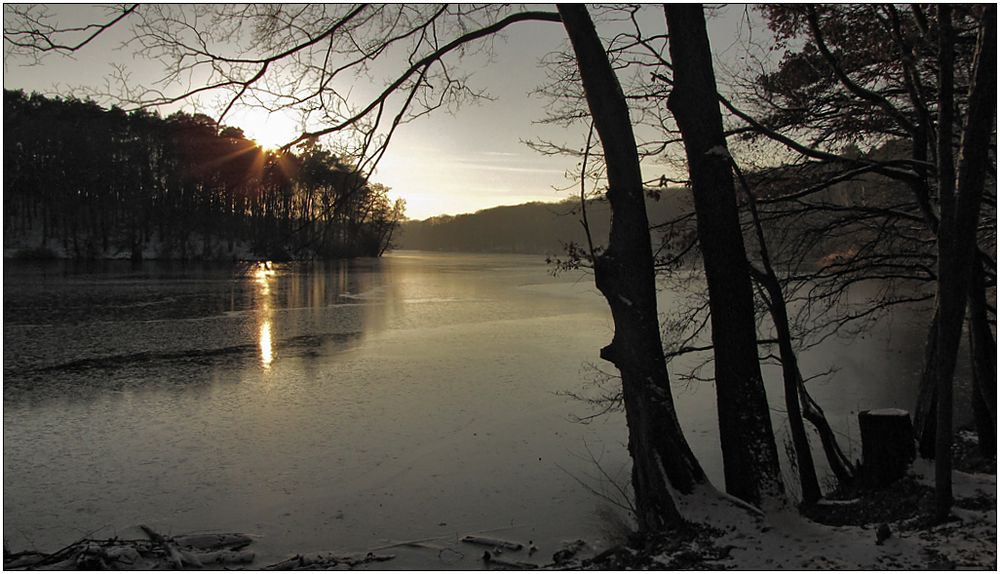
(784, 539)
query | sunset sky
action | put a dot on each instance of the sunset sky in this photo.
(445, 163)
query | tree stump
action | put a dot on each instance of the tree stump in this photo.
(887, 446)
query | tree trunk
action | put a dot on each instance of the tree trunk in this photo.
(791, 375)
(983, 349)
(924, 416)
(950, 297)
(959, 216)
(748, 449)
(624, 274)
(841, 466)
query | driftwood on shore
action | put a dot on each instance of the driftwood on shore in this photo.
(493, 561)
(216, 551)
(182, 552)
(492, 542)
(157, 552)
(328, 561)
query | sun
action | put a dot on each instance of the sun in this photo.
(270, 130)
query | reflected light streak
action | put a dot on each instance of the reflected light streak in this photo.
(263, 275)
(266, 349)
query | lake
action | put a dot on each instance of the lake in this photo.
(345, 405)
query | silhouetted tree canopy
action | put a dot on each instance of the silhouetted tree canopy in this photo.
(110, 183)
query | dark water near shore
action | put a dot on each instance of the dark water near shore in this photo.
(339, 406)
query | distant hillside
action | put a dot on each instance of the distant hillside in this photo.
(527, 228)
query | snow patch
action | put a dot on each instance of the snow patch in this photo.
(719, 150)
(785, 540)
(963, 484)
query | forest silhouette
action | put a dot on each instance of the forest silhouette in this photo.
(87, 182)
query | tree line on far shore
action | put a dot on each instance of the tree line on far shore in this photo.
(89, 182)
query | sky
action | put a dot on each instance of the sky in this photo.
(449, 162)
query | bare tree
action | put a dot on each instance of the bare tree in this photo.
(774, 298)
(624, 275)
(960, 200)
(748, 448)
(927, 83)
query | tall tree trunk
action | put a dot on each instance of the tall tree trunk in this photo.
(624, 274)
(924, 415)
(791, 375)
(959, 216)
(983, 349)
(801, 405)
(748, 449)
(950, 298)
(841, 466)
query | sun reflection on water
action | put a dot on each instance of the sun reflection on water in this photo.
(266, 351)
(263, 276)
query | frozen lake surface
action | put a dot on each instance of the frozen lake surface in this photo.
(339, 406)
